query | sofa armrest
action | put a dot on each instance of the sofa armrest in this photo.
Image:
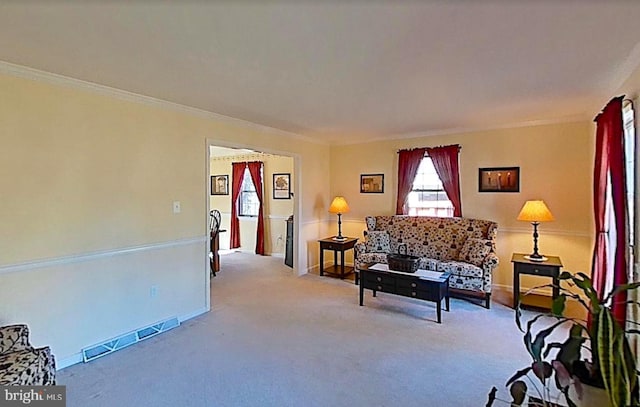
(14, 338)
(359, 248)
(490, 262)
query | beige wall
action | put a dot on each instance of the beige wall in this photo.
(555, 163)
(88, 179)
(276, 211)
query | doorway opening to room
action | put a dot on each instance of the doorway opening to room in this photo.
(253, 196)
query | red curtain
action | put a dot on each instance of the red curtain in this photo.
(408, 163)
(237, 173)
(255, 169)
(445, 161)
(609, 166)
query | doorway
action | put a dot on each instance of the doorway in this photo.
(279, 201)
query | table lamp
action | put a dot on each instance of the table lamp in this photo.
(535, 212)
(339, 206)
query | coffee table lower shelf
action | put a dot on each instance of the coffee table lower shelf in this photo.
(406, 285)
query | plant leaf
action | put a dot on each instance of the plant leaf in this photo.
(565, 275)
(518, 375)
(518, 391)
(557, 307)
(538, 344)
(563, 378)
(542, 370)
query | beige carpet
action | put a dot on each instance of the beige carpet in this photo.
(273, 339)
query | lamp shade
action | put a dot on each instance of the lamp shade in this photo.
(339, 205)
(535, 211)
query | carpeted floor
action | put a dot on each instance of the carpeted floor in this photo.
(272, 339)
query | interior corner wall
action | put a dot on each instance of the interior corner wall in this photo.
(555, 161)
(91, 247)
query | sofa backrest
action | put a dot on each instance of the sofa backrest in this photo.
(433, 237)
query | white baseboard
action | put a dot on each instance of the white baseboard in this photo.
(77, 357)
(537, 291)
(69, 361)
(193, 314)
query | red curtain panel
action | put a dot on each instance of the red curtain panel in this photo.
(255, 169)
(408, 163)
(445, 161)
(237, 173)
(610, 165)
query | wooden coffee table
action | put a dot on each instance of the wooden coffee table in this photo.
(423, 284)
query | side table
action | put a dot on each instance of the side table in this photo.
(337, 246)
(547, 268)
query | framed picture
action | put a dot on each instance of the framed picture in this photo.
(282, 186)
(219, 185)
(499, 179)
(371, 183)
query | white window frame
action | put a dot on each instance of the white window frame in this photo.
(247, 190)
(442, 206)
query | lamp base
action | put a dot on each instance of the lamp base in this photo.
(339, 238)
(531, 258)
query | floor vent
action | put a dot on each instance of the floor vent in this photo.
(122, 341)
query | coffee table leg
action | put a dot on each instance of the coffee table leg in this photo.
(361, 295)
(321, 261)
(439, 311)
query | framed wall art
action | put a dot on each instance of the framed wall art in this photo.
(499, 179)
(219, 185)
(371, 183)
(282, 186)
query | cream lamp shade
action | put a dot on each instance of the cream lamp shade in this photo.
(535, 212)
(339, 206)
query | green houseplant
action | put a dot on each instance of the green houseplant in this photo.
(598, 355)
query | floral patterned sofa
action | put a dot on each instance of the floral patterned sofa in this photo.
(464, 247)
(22, 364)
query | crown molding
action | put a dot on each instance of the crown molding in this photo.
(33, 74)
(465, 130)
(625, 70)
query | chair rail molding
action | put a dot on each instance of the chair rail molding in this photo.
(82, 257)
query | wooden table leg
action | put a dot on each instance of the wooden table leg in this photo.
(516, 288)
(321, 261)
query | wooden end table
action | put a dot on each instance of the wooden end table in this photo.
(548, 268)
(337, 246)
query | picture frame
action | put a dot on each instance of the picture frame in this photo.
(220, 184)
(282, 185)
(499, 179)
(372, 183)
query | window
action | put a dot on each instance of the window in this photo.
(628, 117)
(248, 201)
(427, 197)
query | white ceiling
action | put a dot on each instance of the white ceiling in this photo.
(339, 71)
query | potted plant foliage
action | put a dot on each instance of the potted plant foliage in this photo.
(592, 356)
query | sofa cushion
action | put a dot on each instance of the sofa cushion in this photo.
(366, 258)
(475, 250)
(460, 268)
(378, 242)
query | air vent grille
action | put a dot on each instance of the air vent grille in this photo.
(122, 341)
